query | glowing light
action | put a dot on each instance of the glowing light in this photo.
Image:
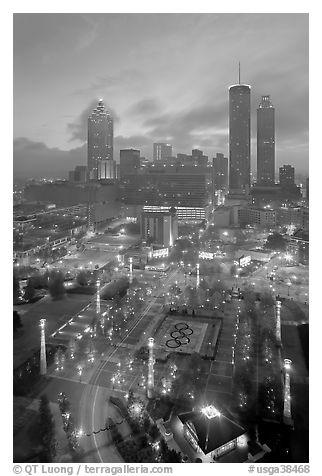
(287, 364)
(210, 412)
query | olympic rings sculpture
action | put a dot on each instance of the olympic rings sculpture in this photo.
(179, 335)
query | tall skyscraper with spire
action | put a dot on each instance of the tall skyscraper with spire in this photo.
(239, 137)
(100, 140)
(265, 142)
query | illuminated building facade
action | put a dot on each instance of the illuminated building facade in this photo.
(160, 228)
(100, 139)
(107, 170)
(211, 434)
(266, 142)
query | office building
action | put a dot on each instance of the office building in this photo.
(189, 193)
(160, 228)
(220, 172)
(299, 246)
(287, 176)
(256, 216)
(100, 139)
(198, 157)
(79, 174)
(107, 170)
(161, 151)
(293, 216)
(239, 138)
(266, 142)
(129, 162)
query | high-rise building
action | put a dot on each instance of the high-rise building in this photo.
(129, 162)
(239, 138)
(287, 176)
(266, 142)
(161, 151)
(220, 171)
(100, 139)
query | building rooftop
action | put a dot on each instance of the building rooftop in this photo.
(301, 234)
(212, 428)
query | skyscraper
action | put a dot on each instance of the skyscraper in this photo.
(129, 162)
(100, 139)
(287, 176)
(266, 142)
(161, 151)
(220, 171)
(239, 137)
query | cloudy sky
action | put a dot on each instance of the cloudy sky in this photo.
(162, 76)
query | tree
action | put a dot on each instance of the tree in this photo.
(275, 241)
(82, 278)
(167, 455)
(16, 288)
(56, 285)
(154, 432)
(17, 324)
(47, 429)
(267, 300)
(233, 270)
(29, 291)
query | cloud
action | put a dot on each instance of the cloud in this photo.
(35, 159)
(143, 107)
(106, 82)
(132, 142)
(202, 126)
(78, 128)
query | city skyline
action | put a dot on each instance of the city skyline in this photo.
(148, 106)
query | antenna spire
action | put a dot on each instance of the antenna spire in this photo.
(238, 72)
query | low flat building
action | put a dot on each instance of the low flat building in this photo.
(211, 434)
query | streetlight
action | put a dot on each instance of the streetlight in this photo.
(288, 288)
(80, 371)
(43, 359)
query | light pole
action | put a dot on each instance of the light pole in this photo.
(131, 269)
(150, 386)
(198, 275)
(98, 298)
(80, 371)
(278, 321)
(287, 415)
(43, 360)
(288, 288)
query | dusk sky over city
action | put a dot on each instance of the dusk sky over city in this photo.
(164, 77)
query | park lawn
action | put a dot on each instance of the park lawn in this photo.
(56, 312)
